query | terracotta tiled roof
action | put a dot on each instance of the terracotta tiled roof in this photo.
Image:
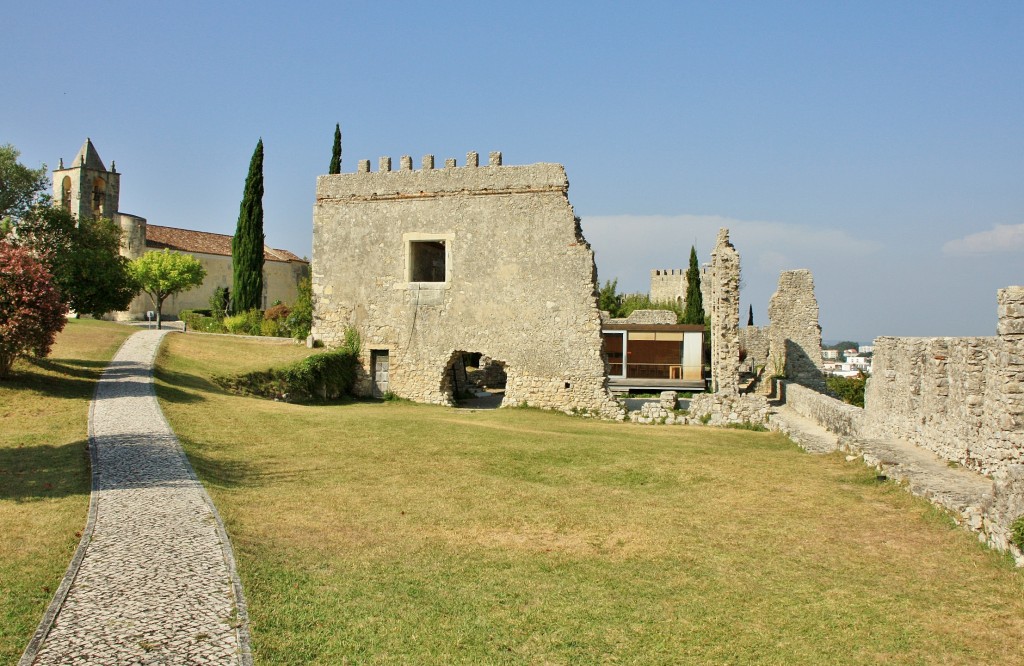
(186, 240)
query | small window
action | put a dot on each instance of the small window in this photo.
(427, 261)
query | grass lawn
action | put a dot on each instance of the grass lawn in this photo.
(44, 472)
(401, 533)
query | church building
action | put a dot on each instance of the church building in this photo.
(88, 189)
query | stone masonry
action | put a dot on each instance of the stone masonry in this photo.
(427, 264)
(669, 286)
(963, 398)
(725, 315)
(795, 348)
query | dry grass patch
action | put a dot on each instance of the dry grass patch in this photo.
(401, 533)
(44, 472)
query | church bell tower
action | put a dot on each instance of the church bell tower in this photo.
(85, 187)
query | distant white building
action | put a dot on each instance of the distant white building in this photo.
(866, 349)
(829, 354)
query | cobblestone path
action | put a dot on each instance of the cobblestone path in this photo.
(155, 580)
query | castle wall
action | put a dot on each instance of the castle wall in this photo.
(668, 286)
(516, 282)
(795, 334)
(755, 341)
(962, 398)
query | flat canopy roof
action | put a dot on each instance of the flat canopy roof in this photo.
(652, 327)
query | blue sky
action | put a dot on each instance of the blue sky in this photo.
(880, 145)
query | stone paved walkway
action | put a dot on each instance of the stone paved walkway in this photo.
(961, 491)
(153, 581)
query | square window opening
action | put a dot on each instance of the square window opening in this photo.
(427, 261)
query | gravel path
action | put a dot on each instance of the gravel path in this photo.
(153, 581)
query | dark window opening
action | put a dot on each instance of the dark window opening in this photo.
(427, 261)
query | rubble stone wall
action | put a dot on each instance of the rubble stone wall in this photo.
(755, 341)
(795, 348)
(725, 315)
(962, 398)
(518, 279)
(830, 413)
(721, 409)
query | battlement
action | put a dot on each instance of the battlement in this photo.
(427, 181)
(669, 272)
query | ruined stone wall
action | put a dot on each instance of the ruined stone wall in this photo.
(724, 311)
(830, 413)
(795, 348)
(518, 279)
(645, 317)
(962, 398)
(755, 340)
(668, 286)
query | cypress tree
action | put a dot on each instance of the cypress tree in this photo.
(247, 245)
(694, 313)
(336, 151)
(750, 316)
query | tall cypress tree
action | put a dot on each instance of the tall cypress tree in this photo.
(694, 313)
(247, 245)
(750, 316)
(336, 151)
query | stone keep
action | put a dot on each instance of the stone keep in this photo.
(794, 332)
(427, 264)
(668, 286)
(724, 278)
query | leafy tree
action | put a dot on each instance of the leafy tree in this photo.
(165, 273)
(336, 151)
(83, 257)
(21, 188)
(694, 313)
(247, 245)
(607, 299)
(31, 310)
(300, 319)
(750, 316)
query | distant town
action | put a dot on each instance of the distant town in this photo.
(842, 361)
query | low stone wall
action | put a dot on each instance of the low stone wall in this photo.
(831, 414)
(722, 409)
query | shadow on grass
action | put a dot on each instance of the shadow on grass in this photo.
(222, 473)
(183, 388)
(29, 473)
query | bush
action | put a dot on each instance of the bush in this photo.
(271, 328)
(200, 323)
(31, 309)
(300, 320)
(247, 323)
(219, 301)
(848, 389)
(316, 378)
(1017, 532)
(277, 312)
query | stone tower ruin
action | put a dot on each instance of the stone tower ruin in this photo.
(429, 265)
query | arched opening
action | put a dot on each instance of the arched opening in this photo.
(65, 193)
(474, 380)
(99, 197)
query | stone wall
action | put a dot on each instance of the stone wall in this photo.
(724, 311)
(962, 398)
(795, 348)
(645, 317)
(512, 278)
(722, 409)
(755, 340)
(834, 415)
(668, 286)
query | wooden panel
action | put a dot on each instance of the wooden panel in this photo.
(667, 336)
(642, 335)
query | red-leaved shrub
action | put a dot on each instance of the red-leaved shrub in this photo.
(31, 310)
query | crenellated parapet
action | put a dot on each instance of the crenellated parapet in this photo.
(427, 181)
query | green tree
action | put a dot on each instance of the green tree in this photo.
(607, 299)
(336, 151)
(694, 312)
(750, 316)
(247, 245)
(83, 257)
(165, 273)
(21, 188)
